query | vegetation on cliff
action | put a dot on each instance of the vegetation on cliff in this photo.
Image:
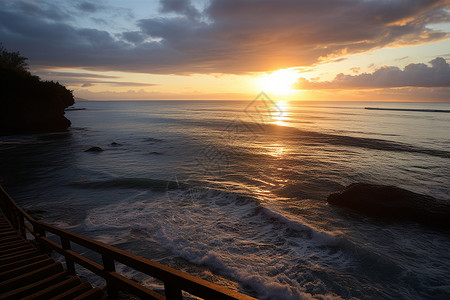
(27, 103)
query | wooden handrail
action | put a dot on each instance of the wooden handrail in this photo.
(175, 281)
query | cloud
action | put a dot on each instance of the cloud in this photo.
(402, 58)
(183, 7)
(125, 83)
(83, 83)
(228, 36)
(134, 37)
(52, 74)
(88, 7)
(413, 75)
(145, 95)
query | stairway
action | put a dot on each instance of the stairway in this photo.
(29, 273)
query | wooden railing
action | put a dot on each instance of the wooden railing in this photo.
(175, 281)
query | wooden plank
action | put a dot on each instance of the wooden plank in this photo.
(21, 256)
(23, 251)
(55, 289)
(7, 233)
(12, 244)
(16, 249)
(73, 292)
(23, 262)
(25, 269)
(139, 290)
(30, 277)
(92, 294)
(9, 238)
(35, 287)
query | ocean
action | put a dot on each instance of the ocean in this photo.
(235, 191)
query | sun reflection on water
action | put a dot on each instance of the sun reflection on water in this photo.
(282, 117)
(276, 150)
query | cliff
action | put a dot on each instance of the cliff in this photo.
(27, 103)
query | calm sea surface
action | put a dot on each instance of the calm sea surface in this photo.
(235, 192)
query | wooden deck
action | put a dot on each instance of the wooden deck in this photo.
(28, 272)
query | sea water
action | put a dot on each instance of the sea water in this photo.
(235, 191)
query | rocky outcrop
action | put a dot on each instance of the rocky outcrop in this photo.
(27, 103)
(393, 203)
(94, 149)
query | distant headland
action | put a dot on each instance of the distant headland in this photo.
(27, 103)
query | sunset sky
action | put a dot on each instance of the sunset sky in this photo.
(395, 50)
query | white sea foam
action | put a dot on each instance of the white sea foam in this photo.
(231, 235)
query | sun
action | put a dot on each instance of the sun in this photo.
(279, 82)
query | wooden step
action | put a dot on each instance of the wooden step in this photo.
(8, 233)
(13, 258)
(22, 251)
(25, 269)
(15, 243)
(35, 287)
(74, 292)
(31, 277)
(92, 294)
(23, 262)
(9, 238)
(16, 249)
(55, 290)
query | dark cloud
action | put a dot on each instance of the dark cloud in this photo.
(134, 37)
(183, 7)
(413, 75)
(72, 74)
(229, 36)
(117, 83)
(88, 7)
(42, 9)
(402, 58)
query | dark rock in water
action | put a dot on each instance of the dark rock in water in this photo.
(114, 144)
(74, 108)
(94, 149)
(155, 153)
(393, 203)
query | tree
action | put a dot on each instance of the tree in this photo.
(13, 59)
(27, 103)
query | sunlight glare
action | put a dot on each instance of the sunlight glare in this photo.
(282, 118)
(279, 82)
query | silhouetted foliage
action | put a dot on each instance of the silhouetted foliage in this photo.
(28, 104)
(13, 59)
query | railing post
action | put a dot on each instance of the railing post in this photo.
(172, 292)
(38, 233)
(70, 266)
(22, 226)
(108, 264)
(13, 217)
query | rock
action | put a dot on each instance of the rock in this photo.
(393, 203)
(114, 144)
(94, 149)
(155, 153)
